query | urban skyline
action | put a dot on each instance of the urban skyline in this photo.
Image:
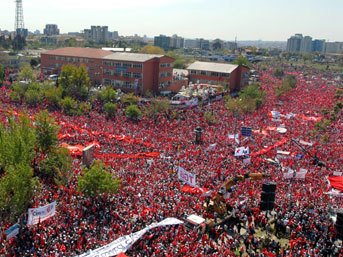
(266, 20)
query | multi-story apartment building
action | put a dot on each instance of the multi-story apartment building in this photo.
(127, 71)
(97, 34)
(51, 30)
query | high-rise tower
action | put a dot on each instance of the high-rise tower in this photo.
(19, 18)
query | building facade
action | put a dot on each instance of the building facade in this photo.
(162, 41)
(232, 76)
(306, 44)
(97, 34)
(51, 30)
(294, 43)
(318, 45)
(127, 71)
(334, 47)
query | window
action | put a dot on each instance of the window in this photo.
(203, 72)
(137, 75)
(137, 65)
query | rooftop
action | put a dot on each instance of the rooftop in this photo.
(131, 57)
(79, 52)
(212, 66)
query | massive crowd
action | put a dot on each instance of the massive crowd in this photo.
(151, 191)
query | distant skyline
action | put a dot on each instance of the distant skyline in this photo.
(268, 20)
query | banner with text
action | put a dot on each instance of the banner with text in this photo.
(42, 213)
(186, 176)
(124, 243)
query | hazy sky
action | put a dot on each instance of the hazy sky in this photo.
(225, 19)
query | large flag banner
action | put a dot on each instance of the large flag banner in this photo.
(246, 131)
(12, 231)
(42, 213)
(186, 176)
(242, 151)
(124, 243)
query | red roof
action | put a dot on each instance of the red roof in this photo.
(79, 52)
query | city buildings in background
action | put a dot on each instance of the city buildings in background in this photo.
(304, 44)
(51, 30)
(97, 34)
(169, 43)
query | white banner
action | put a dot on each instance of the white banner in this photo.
(337, 173)
(241, 151)
(235, 137)
(211, 147)
(295, 175)
(186, 176)
(275, 114)
(124, 243)
(335, 193)
(12, 231)
(305, 143)
(42, 213)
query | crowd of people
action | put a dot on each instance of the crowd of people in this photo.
(151, 191)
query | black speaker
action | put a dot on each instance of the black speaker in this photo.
(339, 224)
(268, 196)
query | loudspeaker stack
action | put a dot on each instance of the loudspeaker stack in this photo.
(268, 196)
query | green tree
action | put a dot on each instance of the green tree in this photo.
(34, 62)
(129, 99)
(74, 82)
(97, 180)
(2, 74)
(69, 106)
(53, 95)
(149, 49)
(17, 142)
(56, 166)
(34, 95)
(241, 60)
(278, 72)
(107, 94)
(46, 131)
(110, 109)
(133, 112)
(210, 118)
(26, 73)
(157, 106)
(17, 188)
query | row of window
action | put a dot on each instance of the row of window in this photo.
(122, 84)
(121, 64)
(165, 65)
(165, 74)
(70, 59)
(210, 74)
(122, 74)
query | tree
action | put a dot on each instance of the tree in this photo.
(17, 142)
(53, 95)
(133, 112)
(156, 107)
(34, 62)
(33, 95)
(97, 180)
(241, 60)
(56, 166)
(74, 82)
(210, 118)
(2, 74)
(17, 188)
(46, 131)
(26, 73)
(288, 83)
(108, 94)
(110, 109)
(152, 50)
(129, 99)
(278, 72)
(69, 106)
(249, 99)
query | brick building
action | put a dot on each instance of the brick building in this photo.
(127, 71)
(233, 76)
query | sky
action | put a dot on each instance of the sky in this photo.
(268, 20)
